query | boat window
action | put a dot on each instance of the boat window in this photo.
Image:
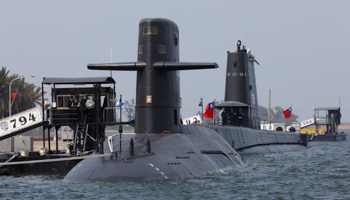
(150, 30)
(62, 101)
(104, 100)
(234, 74)
(176, 39)
(175, 116)
(140, 49)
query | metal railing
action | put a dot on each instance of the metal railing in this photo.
(111, 108)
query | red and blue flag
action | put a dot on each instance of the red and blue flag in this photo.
(287, 113)
(209, 110)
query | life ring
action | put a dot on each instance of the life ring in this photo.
(292, 129)
(166, 132)
(195, 120)
(228, 119)
(279, 129)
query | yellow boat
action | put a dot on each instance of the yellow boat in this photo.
(312, 130)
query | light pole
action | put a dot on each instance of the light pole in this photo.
(10, 104)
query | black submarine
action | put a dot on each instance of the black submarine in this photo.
(241, 95)
(162, 147)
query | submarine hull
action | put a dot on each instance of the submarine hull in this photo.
(327, 137)
(261, 141)
(54, 167)
(194, 152)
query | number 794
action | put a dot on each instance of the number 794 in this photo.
(23, 120)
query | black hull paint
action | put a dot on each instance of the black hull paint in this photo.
(327, 138)
(194, 152)
(261, 141)
(45, 168)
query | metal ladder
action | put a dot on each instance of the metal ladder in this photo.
(80, 135)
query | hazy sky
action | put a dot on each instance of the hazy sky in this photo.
(302, 46)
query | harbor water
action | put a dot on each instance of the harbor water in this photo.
(320, 172)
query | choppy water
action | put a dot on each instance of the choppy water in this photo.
(319, 172)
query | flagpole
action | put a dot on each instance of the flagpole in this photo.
(14, 99)
(269, 109)
(339, 98)
(291, 115)
(120, 126)
(214, 114)
(111, 59)
(120, 109)
(202, 109)
(10, 104)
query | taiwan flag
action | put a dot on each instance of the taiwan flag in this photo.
(287, 113)
(209, 110)
(13, 95)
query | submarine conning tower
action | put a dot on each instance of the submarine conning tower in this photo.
(158, 76)
(240, 88)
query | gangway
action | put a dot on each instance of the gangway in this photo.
(80, 136)
(20, 123)
(307, 123)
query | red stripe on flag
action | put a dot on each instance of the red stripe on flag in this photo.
(209, 111)
(13, 95)
(287, 113)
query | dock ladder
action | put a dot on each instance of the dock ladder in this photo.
(80, 135)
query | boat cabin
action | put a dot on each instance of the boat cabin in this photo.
(242, 113)
(329, 117)
(93, 96)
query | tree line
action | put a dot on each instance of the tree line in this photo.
(28, 95)
(276, 114)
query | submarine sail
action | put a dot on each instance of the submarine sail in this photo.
(158, 79)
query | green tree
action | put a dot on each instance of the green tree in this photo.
(3, 91)
(28, 95)
(276, 114)
(264, 113)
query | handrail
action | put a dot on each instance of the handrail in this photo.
(110, 142)
(111, 108)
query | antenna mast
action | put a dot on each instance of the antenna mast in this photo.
(339, 97)
(245, 28)
(270, 107)
(111, 59)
